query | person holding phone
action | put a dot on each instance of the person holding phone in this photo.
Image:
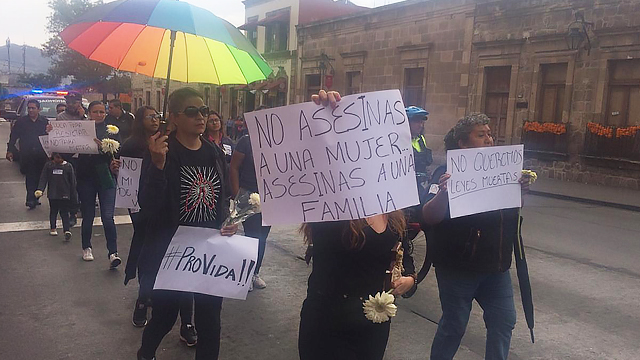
(183, 183)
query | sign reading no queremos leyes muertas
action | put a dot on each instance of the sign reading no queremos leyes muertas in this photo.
(128, 183)
(203, 261)
(73, 137)
(315, 163)
(484, 179)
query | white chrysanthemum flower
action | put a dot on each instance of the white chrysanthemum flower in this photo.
(112, 129)
(38, 193)
(380, 308)
(254, 199)
(110, 146)
(532, 175)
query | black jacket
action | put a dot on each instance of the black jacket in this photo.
(480, 242)
(61, 179)
(28, 131)
(124, 123)
(159, 198)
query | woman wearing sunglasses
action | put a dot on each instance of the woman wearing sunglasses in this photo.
(215, 134)
(183, 182)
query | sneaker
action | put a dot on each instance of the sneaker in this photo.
(67, 235)
(188, 335)
(258, 283)
(53, 232)
(115, 260)
(140, 314)
(140, 357)
(87, 254)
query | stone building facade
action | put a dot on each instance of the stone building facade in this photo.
(561, 76)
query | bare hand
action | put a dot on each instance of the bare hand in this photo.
(48, 128)
(229, 230)
(442, 182)
(326, 98)
(9, 156)
(402, 285)
(158, 148)
(115, 166)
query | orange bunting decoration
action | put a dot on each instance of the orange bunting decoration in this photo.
(545, 127)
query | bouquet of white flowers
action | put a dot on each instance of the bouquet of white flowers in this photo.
(243, 206)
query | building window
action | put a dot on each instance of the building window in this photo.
(207, 95)
(413, 87)
(354, 80)
(158, 99)
(277, 37)
(135, 104)
(552, 92)
(148, 98)
(312, 83)
(623, 106)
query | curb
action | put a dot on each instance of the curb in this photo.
(586, 201)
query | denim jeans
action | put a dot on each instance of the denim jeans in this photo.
(59, 206)
(87, 191)
(253, 228)
(494, 294)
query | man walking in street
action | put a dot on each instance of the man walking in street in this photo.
(27, 129)
(120, 118)
(74, 110)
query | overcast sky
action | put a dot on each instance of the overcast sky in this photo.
(25, 21)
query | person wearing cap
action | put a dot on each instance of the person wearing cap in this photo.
(421, 153)
(74, 110)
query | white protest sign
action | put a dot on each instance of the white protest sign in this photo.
(128, 183)
(203, 261)
(484, 179)
(44, 141)
(321, 164)
(73, 137)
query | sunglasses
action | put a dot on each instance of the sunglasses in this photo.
(192, 111)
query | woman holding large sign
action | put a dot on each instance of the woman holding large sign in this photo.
(349, 298)
(472, 255)
(183, 182)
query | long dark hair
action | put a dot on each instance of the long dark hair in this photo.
(138, 131)
(222, 130)
(353, 237)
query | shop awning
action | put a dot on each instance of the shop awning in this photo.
(279, 17)
(249, 25)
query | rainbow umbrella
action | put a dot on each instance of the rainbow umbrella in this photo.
(166, 39)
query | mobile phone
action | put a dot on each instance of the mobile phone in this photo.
(162, 129)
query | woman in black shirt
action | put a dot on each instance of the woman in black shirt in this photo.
(183, 182)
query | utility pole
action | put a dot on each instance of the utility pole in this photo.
(24, 59)
(9, 54)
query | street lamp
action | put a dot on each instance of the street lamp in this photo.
(577, 34)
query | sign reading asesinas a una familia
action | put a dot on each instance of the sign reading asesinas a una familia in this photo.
(315, 163)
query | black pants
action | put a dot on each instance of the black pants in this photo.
(59, 206)
(253, 228)
(31, 167)
(145, 295)
(166, 305)
(337, 329)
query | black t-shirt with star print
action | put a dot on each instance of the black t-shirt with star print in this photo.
(199, 187)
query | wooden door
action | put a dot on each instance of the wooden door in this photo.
(496, 104)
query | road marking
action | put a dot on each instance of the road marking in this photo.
(11, 182)
(44, 225)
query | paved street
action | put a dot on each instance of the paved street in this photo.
(583, 261)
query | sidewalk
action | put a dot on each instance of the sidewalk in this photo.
(591, 194)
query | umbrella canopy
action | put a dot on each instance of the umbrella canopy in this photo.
(135, 36)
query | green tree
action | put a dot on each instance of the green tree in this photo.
(43, 81)
(67, 62)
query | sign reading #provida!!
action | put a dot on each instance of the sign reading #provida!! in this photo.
(315, 163)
